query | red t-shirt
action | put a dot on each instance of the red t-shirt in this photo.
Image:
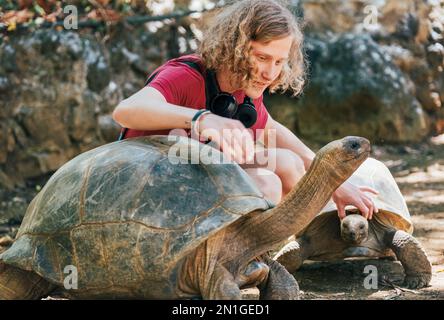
(182, 85)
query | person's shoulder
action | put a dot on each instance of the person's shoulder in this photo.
(188, 66)
(175, 74)
(178, 81)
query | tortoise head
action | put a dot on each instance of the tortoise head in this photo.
(342, 157)
(354, 229)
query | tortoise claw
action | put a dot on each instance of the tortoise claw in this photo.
(417, 281)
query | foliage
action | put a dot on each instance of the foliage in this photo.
(32, 13)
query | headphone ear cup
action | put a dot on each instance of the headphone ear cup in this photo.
(224, 105)
(246, 113)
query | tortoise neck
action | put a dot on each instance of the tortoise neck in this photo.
(263, 230)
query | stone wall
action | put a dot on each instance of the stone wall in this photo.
(384, 82)
(380, 78)
(58, 89)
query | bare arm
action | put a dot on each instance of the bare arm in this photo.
(346, 194)
(148, 109)
(285, 139)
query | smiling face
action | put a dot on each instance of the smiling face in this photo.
(268, 60)
(252, 45)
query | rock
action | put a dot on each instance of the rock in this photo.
(435, 56)
(54, 88)
(4, 84)
(109, 129)
(98, 69)
(439, 123)
(411, 31)
(401, 57)
(6, 241)
(407, 28)
(405, 18)
(5, 181)
(355, 89)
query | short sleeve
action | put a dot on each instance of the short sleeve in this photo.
(177, 83)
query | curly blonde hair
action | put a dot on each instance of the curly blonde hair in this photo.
(226, 43)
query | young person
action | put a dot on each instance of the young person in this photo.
(252, 45)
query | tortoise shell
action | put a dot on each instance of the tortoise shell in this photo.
(126, 212)
(393, 210)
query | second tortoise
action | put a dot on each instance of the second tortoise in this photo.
(388, 234)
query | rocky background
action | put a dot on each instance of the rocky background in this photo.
(380, 76)
(57, 90)
(375, 69)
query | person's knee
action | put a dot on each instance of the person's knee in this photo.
(269, 184)
(272, 187)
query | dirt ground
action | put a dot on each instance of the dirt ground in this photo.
(419, 171)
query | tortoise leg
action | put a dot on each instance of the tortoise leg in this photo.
(413, 258)
(220, 286)
(324, 236)
(255, 274)
(18, 284)
(294, 253)
(280, 284)
(291, 256)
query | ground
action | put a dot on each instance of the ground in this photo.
(419, 171)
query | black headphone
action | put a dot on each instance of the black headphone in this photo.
(225, 105)
(220, 103)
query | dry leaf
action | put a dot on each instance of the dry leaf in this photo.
(24, 4)
(14, 17)
(104, 14)
(47, 5)
(103, 3)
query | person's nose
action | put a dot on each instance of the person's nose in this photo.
(269, 72)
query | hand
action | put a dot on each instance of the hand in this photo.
(230, 136)
(349, 194)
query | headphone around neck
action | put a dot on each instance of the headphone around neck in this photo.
(224, 104)
(220, 103)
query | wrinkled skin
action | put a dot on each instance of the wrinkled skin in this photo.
(355, 236)
(146, 261)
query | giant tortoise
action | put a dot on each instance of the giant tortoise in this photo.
(388, 234)
(136, 219)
